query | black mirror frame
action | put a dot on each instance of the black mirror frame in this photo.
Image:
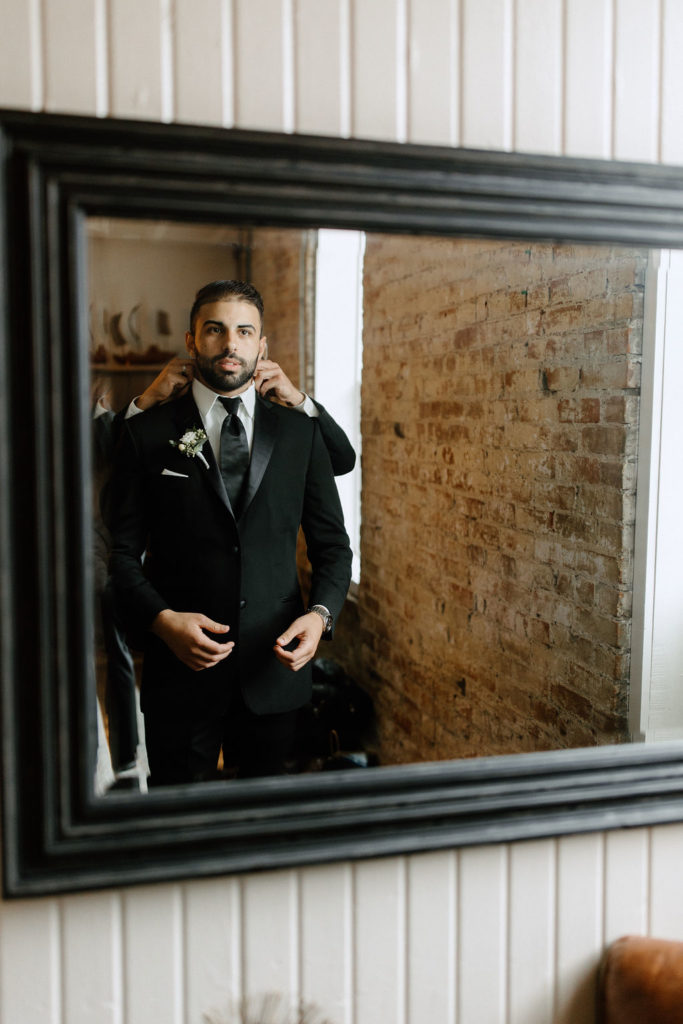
(56, 170)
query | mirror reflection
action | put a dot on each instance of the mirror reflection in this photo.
(492, 390)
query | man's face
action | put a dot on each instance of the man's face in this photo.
(226, 345)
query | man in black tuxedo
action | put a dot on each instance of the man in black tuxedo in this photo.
(207, 501)
(270, 381)
(119, 683)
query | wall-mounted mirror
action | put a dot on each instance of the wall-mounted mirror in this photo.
(502, 308)
(499, 438)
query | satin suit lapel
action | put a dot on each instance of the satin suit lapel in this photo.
(265, 431)
(186, 416)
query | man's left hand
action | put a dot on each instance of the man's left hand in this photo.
(272, 382)
(307, 629)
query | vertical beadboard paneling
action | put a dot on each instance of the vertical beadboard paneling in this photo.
(431, 939)
(531, 952)
(539, 60)
(71, 27)
(379, 69)
(30, 963)
(579, 913)
(91, 959)
(627, 880)
(263, 64)
(671, 141)
(379, 941)
(636, 94)
(321, 67)
(213, 947)
(199, 53)
(588, 78)
(270, 909)
(153, 955)
(434, 72)
(21, 66)
(482, 934)
(487, 74)
(666, 891)
(326, 898)
(137, 76)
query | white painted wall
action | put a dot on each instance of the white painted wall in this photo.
(499, 935)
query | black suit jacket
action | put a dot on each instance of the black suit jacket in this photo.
(340, 449)
(176, 544)
(102, 434)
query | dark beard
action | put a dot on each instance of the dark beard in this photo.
(218, 379)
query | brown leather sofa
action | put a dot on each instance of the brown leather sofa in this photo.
(641, 982)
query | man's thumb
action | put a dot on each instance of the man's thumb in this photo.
(215, 627)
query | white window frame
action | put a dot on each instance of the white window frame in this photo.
(339, 355)
(656, 691)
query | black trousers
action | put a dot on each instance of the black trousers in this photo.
(120, 685)
(185, 749)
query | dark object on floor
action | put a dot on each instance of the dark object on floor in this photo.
(339, 759)
(337, 728)
(641, 982)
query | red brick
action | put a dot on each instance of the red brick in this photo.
(604, 440)
(561, 378)
(617, 375)
(620, 409)
(585, 410)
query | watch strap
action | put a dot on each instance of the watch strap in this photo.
(325, 615)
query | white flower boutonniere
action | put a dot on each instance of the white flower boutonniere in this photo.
(191, 444)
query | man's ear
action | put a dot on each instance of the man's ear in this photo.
(189, 343)
(263, 348)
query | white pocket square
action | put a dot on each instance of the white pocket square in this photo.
(169, 472)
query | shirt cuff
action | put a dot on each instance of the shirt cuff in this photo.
(99, 410)
(132, 410)
(309, 407)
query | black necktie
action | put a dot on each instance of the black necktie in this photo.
(234, 460)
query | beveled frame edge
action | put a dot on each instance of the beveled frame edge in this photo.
(56, 836)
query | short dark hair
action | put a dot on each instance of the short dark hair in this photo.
(219, 290)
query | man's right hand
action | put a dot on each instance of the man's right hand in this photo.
(171, 382)
(183, 633)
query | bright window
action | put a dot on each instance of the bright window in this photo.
(339, 355)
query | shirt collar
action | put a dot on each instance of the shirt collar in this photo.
(205, 398)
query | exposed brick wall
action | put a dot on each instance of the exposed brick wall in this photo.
(500, 409)
(276, 270)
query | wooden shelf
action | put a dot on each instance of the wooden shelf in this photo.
(129, 367)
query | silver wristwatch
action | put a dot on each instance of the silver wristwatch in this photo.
(324, 614)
